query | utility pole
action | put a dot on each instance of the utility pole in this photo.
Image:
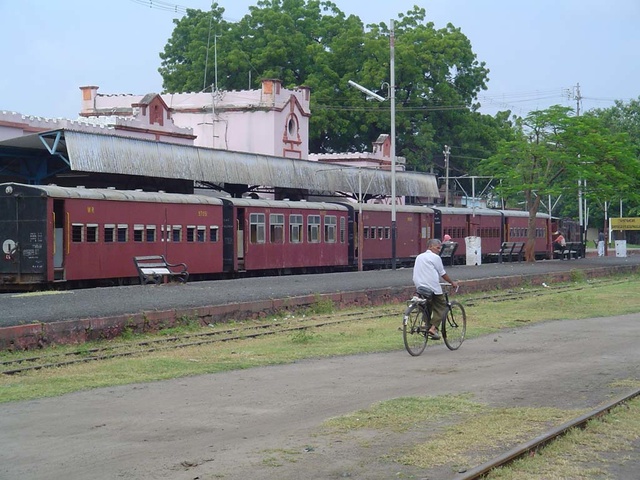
(578, 99)
(446, 152)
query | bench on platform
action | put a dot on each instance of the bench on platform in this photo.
(511, 250)
(447, 251)
(570, 250)
(155, 269)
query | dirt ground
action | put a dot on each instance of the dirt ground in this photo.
(265, 423)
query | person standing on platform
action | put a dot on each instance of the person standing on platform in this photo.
(601, 240)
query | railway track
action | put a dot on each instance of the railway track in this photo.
(533, 446)
(115, 349)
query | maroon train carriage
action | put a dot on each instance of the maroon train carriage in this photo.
(414, 226)
(460, 223)
(492, 226)
(54, 234)
(290, 236)
(516, 229)
(57, 234)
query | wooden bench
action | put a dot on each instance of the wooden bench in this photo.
(511, 250)
(570, 250)
(155, 269)
(447, 251)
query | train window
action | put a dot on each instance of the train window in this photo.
(380, 233)
(92, 233)
(257, 228)
(123, 232)
(213, 234)
(373, 231)
(191, 233)
(387, 232)
(109, 233)
(276, 228)
(151, 233)
(343, 229)
(330, 226)
(138, 233)
(77, 230)
(313, 229)
(200, 237)
(295, 228)
(176, 233)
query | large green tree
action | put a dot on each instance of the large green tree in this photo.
(551, 151)
(313, 43)
(622, 117)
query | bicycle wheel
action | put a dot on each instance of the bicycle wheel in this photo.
(414, 329)
(454, 326)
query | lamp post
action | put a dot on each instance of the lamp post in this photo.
(392, 99)
(392, 96)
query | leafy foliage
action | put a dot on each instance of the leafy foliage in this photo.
(313, 43)
(551, 150)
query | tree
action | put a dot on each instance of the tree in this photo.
(313, 43)
(623, 118)
(552, 150)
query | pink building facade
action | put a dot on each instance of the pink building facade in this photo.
(270, 121)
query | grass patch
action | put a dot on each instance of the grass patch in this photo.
(401, 414)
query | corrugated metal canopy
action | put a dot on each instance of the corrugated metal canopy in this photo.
(96, 153)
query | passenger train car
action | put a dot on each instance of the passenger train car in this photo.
(76, 236)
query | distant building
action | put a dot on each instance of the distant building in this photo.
(380, 157)
(270, 121)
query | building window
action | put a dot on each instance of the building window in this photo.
(176, 233)
(213, 234)
(330, 226)
(109, 233)
(138, 233)
(92, 233)
(151, 233)
(313, 229)
(77, 229)
(295, 228)
(123, 233)
(276, 228)
(257, 228)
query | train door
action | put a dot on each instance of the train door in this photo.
(240, 238)
(23, 236)
(228, 237)
(58, 239)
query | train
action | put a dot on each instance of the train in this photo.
(73, 236)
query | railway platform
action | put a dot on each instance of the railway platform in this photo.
(37, 319)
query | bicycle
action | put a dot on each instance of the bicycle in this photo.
(415, 323)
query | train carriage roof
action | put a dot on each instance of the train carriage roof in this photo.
(54, 191)
(381, 207)
(485, 212)
(262, 203)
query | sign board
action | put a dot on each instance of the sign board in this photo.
(625, 223)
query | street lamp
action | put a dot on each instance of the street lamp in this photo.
(392, 98)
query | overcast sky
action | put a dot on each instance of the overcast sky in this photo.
(537, 51)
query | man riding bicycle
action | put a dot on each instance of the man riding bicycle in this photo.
(427, 271)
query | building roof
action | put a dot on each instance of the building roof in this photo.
(68, 150)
